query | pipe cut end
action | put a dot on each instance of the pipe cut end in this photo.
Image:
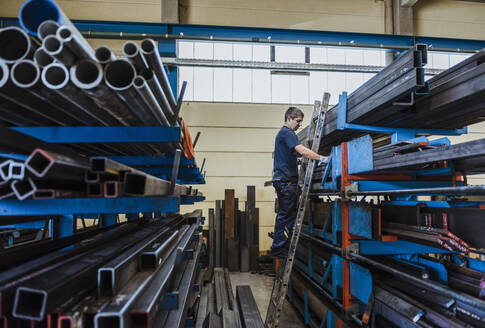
(147, 46)
(55, 76)
(139, 81)
(52, 45)
(130, 49)
(49, 27)
(15, 44)
(35, 12)
(119, 74)
(29, 303)
(103, 54)
(86, 74)
(39, 162)
(24, 189)
(64, 33)
(25, 74)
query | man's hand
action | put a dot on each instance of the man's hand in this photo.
(323, 160)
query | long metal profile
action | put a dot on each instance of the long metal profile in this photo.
(32, 302)
(116, 313)
(152, 257)
(117, 272)
(176, 318)
(250, 316)
(145, 308)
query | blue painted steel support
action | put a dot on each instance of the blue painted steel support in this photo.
(88, 205)
(62, 226)
(104, 134)
(249, 34)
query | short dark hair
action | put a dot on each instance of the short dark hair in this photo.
(293, 112)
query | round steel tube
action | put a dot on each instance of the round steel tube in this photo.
(159, 95)
(55, 76)
(48, 27)
(119, 74)
(86, 74)
(25, 74)
(42, 58)
(71, 40)
(132, 52)
(146, 94)
(104, 55)
(433, 286)
(35, 12)
(15, 44)
(152, 57)
(53, 46)
(4, 72)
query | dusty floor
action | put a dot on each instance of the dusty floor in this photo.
(261, 287)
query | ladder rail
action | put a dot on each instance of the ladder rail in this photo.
(280, 286)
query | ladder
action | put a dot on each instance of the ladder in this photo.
(280, 286)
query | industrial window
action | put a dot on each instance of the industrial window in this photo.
(237, 73)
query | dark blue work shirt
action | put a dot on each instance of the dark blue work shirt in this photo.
(285, 165)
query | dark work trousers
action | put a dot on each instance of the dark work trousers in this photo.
(287, 207)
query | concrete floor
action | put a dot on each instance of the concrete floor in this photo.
(261, 286)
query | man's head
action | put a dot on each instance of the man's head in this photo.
(293, 118)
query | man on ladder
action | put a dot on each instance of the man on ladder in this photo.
(285, 178)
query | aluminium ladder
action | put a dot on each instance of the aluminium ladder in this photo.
(280, 286)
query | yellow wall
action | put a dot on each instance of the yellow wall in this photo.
(237, 141)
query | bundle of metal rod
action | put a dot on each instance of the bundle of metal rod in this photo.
(129, 92)
(62, 283)
(147, 284)
(130, 181)
(385, 94)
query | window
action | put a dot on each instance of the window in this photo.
(236, 84)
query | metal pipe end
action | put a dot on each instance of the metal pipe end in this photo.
(139, 82)
(108, 320)
(86, 74)
(35, 12)
(52, 45)
(111, 189)
(98, 164)
(130, 49)
(104, 55)
(17, 170)
(119, 74)
(147, 46)
(15, 44)
(39, 162)
(55, 76)
(42, 58)
(65, 321)
(25, 73)
(48, 27)
(95, 190)
(44, 194)
(4, 72)
(29, 303)
(23, 189)
(91, 177)
(64, 33)
(5, 170)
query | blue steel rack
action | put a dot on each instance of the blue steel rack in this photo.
(352, 224)
(63, 213)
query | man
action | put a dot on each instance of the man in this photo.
(285, 177)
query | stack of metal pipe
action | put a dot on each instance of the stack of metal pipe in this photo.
(50, 76)
(117, 278)
(32, 168)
